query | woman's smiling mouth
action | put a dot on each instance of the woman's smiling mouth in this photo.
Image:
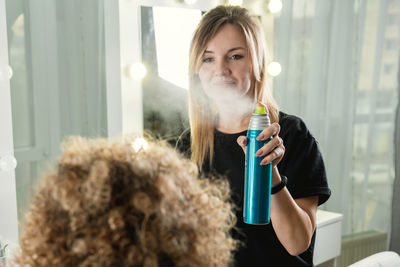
(224, 83)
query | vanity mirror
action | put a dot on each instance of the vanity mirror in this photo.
(166, 33)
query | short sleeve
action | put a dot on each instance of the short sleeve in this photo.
(302, 163)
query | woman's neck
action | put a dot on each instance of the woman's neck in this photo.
(233, 119)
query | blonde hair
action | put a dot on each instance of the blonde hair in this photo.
(108, 205)
(201, 113)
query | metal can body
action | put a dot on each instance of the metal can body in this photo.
(257, 186)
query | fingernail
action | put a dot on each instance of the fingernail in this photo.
(258, 153)
(260, 137)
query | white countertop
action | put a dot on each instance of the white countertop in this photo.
(328, 238)
(327, 217)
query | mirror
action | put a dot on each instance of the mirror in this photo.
(166, 35)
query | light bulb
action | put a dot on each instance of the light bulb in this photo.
(7, 163)
(190, 2)
(140, 143)
(137, 71)
(236, 2)
(6, 73)
(274, 68)
(275, 6)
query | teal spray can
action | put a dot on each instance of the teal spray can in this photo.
(257, 186)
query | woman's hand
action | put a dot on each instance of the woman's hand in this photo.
(274, 147)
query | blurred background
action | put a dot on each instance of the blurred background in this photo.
(105, 68)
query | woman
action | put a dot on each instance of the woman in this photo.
(227, 71)
(109, 205)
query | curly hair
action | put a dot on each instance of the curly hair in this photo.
(109, 205)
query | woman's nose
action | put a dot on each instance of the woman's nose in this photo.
(222, 68)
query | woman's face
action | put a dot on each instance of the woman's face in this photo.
(226, 69)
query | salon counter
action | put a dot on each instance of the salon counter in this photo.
(328, 238)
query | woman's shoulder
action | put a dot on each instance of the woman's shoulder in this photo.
(302, 163)
(292, 125)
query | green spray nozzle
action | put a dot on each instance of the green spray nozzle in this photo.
(260, 109)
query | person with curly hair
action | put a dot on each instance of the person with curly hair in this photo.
(110, 205)
(227, 77)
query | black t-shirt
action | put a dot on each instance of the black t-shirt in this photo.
(304, 168)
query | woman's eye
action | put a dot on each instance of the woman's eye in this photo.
(207, 59)
(236, 57)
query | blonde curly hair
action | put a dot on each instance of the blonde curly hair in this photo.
(109, 205)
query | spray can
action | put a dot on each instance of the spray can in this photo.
(257, 186)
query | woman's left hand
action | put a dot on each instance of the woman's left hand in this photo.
(274, 147)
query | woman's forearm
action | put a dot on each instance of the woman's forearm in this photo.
(294, 225)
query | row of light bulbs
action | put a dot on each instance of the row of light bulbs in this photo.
(137, 71)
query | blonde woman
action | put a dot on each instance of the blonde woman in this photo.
(109, 205)
(227, 72)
